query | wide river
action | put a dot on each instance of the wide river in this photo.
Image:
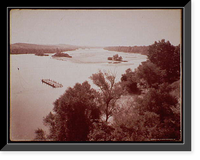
(31, 100)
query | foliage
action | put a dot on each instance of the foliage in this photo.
(149, 75)
(26, 48)
(131, 126)
(129, 82)
(159, 101)
(154, 117)
(60, 54)
(74, 113)
(40, 135)
(166, 106)
(101, 132)
(167, 57)
(110, 92)
(163, 65)
(143, 106)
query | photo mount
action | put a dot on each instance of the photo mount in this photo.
(185, 145)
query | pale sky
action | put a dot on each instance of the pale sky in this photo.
(95, 27)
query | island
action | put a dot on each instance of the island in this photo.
(117, 58)
(60, 54)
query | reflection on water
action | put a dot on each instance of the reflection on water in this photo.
(31, 100)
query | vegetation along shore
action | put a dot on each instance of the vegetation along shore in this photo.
(145, 105)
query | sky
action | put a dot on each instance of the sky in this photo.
(125, 27)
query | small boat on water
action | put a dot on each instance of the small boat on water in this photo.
(52, 83)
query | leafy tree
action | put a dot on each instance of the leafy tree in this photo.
(129, 82)
(167, 57)
(166, 106)
(149, 75)
(110, 92)
(101, 131)
(40, 135)
(158, 101)
(74, 114)
(130, 125)
(155, 116)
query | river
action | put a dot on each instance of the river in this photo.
(31, 101)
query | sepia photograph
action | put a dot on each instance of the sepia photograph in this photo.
(95, 75)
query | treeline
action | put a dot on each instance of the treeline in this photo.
(130, 49)
(25, 48)
(143, 106)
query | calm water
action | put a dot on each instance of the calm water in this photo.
(31, 100)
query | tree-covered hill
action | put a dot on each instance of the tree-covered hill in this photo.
(27, 48)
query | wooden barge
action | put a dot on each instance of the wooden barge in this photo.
(52, 83)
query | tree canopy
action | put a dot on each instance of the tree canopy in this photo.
(74, 113)
(110, 91)
(167, 57)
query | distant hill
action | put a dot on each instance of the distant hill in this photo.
(27, 48)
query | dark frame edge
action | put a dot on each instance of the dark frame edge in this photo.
(186, 147)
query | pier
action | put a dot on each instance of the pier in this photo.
(52, 83)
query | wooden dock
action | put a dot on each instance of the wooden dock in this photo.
(52, 83)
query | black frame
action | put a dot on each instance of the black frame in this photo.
(185, 145)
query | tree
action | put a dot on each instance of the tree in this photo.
(149, 75)
(110, 91)
(175, 69)
(101, 132)
(159, 101)
(167, 57)
(129, 82)
(40, 135)
(115, 57)
(130, 125)
(74, 114)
